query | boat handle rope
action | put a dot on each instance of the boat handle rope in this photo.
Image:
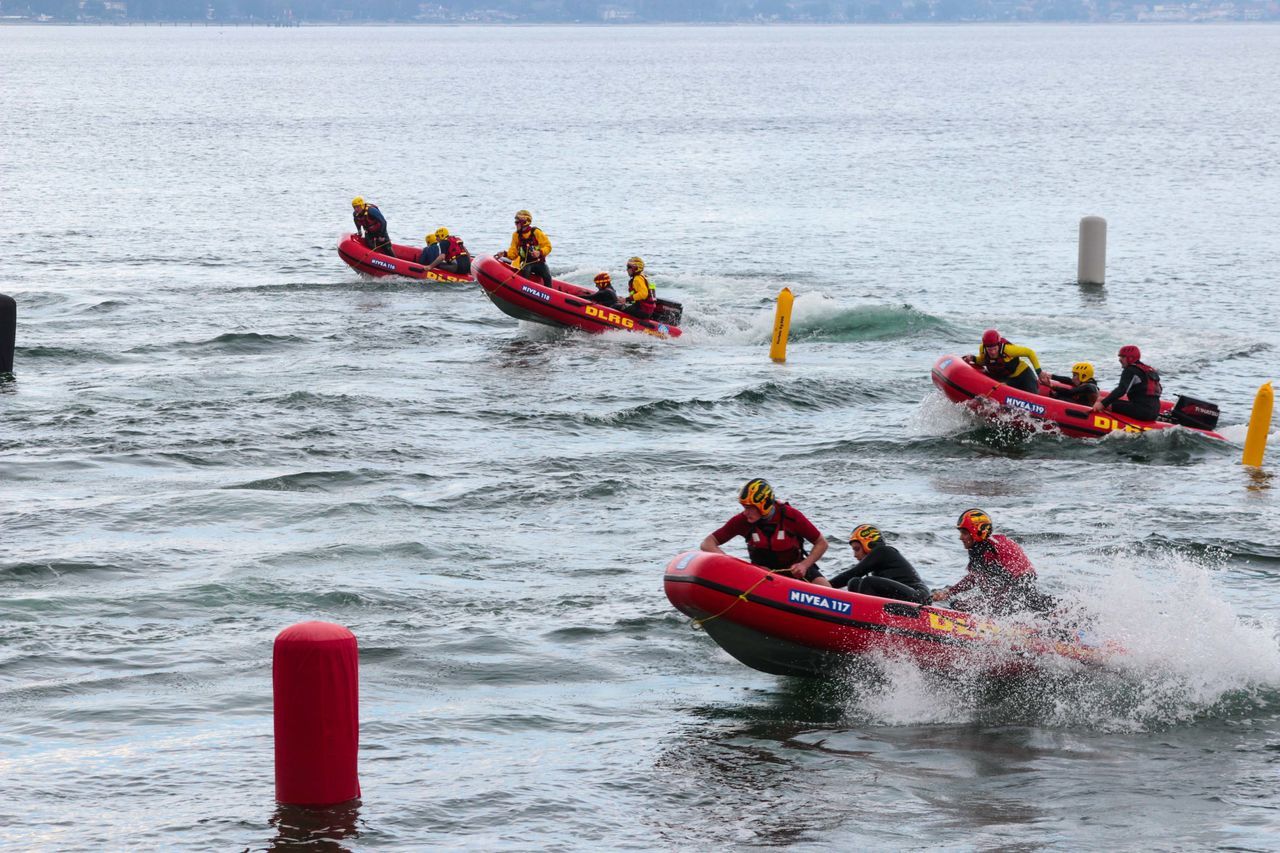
(698, 623)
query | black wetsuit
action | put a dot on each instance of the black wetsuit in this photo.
(886, 573)
(1133, 382)
(605, 296)
(1085, 394)
(537, 271)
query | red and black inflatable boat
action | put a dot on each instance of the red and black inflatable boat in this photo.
(964, 383)
(565, 304)
(785, 626)
(405, 262)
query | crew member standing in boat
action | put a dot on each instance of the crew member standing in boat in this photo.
(1084, 388)
(642, 299)
(529, 249)
(371, 225)
(1140, 383)
(453, 255)
(1009, 363)
(881, 570)
(605, 294)
(775, 532)
(999, 571)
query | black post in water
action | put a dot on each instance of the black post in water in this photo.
(8, 332)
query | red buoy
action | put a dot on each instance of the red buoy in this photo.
(315, 672)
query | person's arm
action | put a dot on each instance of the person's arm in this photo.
(513, 252)
(735, 526)
(965, 583)
(544, 245)
(804, 527)
(1122, 388)
(863, 567)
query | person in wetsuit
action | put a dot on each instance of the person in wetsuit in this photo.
(1009, 363)
(775, 532)
(453, 256)
(431, 251)
(371, 225)
(529, 249)
(1084, 388)
(1000, 575)
(1140, 383)
(605, 294)
(881, 570)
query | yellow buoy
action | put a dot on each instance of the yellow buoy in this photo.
(1255, 442)
(781, 326)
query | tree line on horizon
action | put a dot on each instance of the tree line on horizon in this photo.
(592, 11)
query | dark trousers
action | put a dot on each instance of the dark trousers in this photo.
(1025, 381)
(380, 243)
(885, 588)
(460, 265)
(643, 310)
(1144, 409)
(535, 270)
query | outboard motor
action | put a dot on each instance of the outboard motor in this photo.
(668, 312)
(1190, 412)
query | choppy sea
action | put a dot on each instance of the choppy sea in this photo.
(217, 429)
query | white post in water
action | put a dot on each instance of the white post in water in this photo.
(1091, 266)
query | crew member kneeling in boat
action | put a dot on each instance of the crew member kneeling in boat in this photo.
(431, 251)
(881, 570)
(371, 225)
(529, 249)
(1008, 363)
(1084, 388)
(642, 299)
(999, 571)
(775, 534)
(453, 255)
(605, 294)
(1140, 383)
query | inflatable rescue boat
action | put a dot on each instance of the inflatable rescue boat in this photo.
(964, 383)
(785, 626)
(565, 304)
(361, 258)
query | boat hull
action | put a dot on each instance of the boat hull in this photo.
(364, 260)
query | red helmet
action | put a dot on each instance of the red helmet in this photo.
(976, 523)
(991, 338)
(1131, 351)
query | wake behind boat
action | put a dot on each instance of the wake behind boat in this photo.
(567, 305)
(362, 259)
(781, 625)
(964, 383)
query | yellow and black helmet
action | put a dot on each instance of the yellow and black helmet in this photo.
(1082, 371)
(867, 536)
(976, 522)
(757, 493)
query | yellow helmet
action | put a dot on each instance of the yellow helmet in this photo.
(976, 522)
(638, 263)
(431, 239)
(1082, 371)
(357, 202)
(441, 233)
(757, 493)
(867, 536)
(524, 214)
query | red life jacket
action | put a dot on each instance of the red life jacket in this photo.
(453, 248)
(368, 221)
(1001, 368)
(1150, 386)
(1011, 557)
(776, 544)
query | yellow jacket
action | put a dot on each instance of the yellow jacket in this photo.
(520, 246)
(1011, 360)
(639, 288)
